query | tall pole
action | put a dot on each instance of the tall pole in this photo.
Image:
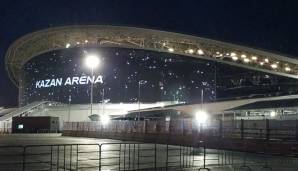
(139, 98)
(92, 61)
(91, 94)
(102, 101)
(139, 103)
(69, 100)
(202, 102)
(202, 99)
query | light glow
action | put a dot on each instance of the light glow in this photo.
(246, 60)
(235, 58)
(274, 66)
(272, 114)
(191, 51)
(254, 58)
(171, 49)
(233, 54)
(168, 118)
(162, 104)
(105, 119)
(287, 68)
(201, 117)
(92, 61)
(266, 60)
(200, 52)
(20, 126)
(67, 45)
(243, 56)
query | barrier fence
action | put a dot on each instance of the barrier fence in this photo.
(5, 127)
(258, 129)
(129, 156)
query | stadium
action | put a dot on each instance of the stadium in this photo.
(140, 71)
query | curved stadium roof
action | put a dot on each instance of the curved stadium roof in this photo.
(33, 44)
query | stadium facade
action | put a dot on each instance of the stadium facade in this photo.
(60, 75)
(48, 65)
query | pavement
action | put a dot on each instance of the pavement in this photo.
(44, 139)
(44, 152)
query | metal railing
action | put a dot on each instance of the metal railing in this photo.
(266, 129)
(128, 156)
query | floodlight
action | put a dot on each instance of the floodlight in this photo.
(92, 61)
(201, 117)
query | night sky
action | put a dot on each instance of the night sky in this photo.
(271, 25)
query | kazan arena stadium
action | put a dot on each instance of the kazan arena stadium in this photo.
(139, 70)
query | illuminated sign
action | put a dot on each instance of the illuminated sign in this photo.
(20, 126)
(56, 82)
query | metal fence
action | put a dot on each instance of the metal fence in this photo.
(127, 156)
(257, 129)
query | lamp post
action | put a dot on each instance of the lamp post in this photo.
(92, 61)
(202, 103)
(69, 100)
(139, 96)
(202, 99)
(103, 101)
(201, 115)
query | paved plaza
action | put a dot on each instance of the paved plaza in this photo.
(72, 153)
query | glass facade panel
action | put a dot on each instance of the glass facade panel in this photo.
(61, 75)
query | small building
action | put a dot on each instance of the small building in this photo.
(40, 124)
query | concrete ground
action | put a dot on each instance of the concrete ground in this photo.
(36, 139)
(54, 152)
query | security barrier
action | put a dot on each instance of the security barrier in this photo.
(107, 156)
(265, 129)
(130, 156)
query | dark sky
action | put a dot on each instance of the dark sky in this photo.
(271, 24)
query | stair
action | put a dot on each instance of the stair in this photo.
(26, 110)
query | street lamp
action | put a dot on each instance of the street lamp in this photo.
(105, 119)
(92, 61)
(201, 117)
(69, 101)
(103, 101)
(272, 114)
(139, 96)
